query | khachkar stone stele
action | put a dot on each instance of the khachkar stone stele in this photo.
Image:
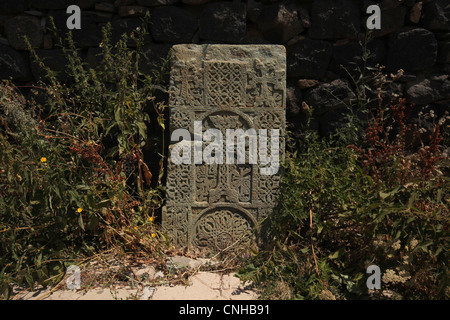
(227, 124)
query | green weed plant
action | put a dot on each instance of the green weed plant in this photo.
(73, 178)
(382, 200)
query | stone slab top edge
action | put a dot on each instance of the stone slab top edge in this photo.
(183, 52)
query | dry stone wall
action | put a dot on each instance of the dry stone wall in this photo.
(319, 36)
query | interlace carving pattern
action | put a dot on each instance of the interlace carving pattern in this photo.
(225, 84)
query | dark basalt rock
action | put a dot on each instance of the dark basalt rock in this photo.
(411, 50)
(309, 59)
(334, 19)
(223, 22)
(173, 25)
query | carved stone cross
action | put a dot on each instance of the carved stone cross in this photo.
(217, 91)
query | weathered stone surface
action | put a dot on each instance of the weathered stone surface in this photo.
(415, 12)
(254, 36)
(12, 64)
(223, 22)
(173, 25)
(154, 3)
(309, 59)
(411, 50)
(223, 87)
(436, 15)
(334, 19)
(279, 23)
(253, 10)
(307, 83)
(19, 26)
(329, 96)
(293, 101)
(428, 90)
(305, 18)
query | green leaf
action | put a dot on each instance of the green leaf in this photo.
(161, 122)
(319, 229)
(80, 222)
(411, 199)
(358, 277)
(103, 203)
(39, 258)
(425, 246)
(82, 187)
(109, 127)
(142, 130)
(439, 195)
(436, 253)
(112, 152)
(305, 250)
(410, 219)
(334, 255)
(384, 195)
(118, 116)
(29, 279)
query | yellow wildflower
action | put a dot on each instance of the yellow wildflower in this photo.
(43, 159)
(150, 219)
(153, 235)
(79, 210)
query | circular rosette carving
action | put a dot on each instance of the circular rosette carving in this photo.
(222, 227)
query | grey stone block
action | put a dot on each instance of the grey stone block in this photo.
(223, 87)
